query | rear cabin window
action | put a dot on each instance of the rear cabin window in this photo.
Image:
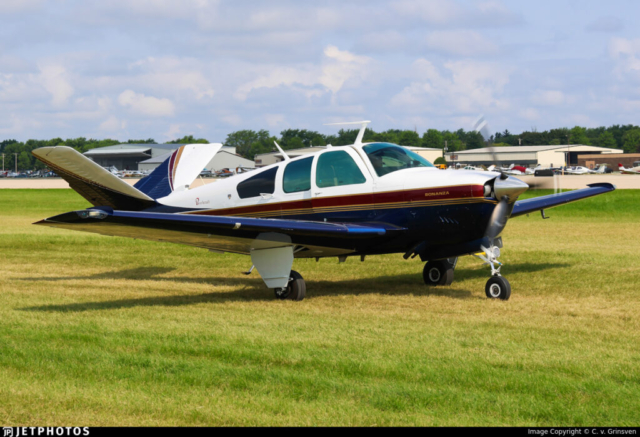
(264, 182)
(337, 168)
(297, 176)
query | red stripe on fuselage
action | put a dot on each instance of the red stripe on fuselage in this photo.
(375, 200)
(171, 163)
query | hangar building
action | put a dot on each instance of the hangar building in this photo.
(529, 156)
(125, 156)
(149, 156)
(629, 160)
(223, 159)
(265, 159)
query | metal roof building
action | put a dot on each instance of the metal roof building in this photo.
(129, 156)
(528, 156)
(223, 159)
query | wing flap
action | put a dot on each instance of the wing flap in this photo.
(544, 202)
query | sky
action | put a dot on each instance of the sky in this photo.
(137, 69)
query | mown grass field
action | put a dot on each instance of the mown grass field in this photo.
(107, 331)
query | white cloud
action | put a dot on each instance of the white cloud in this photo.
(529, 114)
(173, 132)
(55, 80)
(337, 67)
(453, 14)
(549, 97)
(112, 124)
(626, 56)
(462, 86)
(12, 6)
(232, 119)
(460, 42)
(174, 75)
(146, 105)
(274, 120)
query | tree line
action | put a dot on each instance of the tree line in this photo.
(249, 143)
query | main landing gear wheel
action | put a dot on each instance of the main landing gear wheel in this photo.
(437, 273)
(295, 289)
(498, 288)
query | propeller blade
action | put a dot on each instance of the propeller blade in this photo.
(498, 220)
(481, 126)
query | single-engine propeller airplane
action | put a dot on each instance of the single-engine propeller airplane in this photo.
(633, 170)
(356, 200)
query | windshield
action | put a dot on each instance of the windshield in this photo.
(387, 158)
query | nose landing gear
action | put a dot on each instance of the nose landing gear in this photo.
(497, 287)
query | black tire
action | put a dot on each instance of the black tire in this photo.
(438, 272)
(498, 288)
(296, 287)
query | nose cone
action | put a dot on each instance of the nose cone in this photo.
(510, 187)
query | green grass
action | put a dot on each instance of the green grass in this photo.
(109, 331)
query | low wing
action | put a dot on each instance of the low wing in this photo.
(543, 202)
(229, 234)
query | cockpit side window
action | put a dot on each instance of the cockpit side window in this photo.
(297, 176)
(387, 158)
(264, 182)
(337, 168)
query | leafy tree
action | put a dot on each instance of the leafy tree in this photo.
(318, 141)
(150, 141)
(474, 140)
(440, 160)
(24, 161)
(578, 135)
(452, 142)
(243, 141)
(433, 138)
(409, 138)
(189, 139)
(631, 141)
(293, 143)
(606, 139)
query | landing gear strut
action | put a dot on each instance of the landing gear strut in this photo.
(439, 272)
(295, 289)
(497, 286)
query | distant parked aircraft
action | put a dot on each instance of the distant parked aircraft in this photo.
(623, 170)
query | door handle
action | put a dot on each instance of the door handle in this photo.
(318, 193)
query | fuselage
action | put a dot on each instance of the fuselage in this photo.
(343, 184)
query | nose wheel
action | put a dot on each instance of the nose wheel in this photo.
(498, 288)
(295, 289)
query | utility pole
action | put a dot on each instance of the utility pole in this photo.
(3, 163)
(16, 162)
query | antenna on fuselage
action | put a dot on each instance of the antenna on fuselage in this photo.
(363, 127)
(284, 155)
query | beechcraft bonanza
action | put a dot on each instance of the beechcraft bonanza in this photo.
(356, 200)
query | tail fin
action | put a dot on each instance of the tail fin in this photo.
(91, 181)
(178, 171)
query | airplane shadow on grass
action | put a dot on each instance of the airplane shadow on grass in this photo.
(253, 289)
